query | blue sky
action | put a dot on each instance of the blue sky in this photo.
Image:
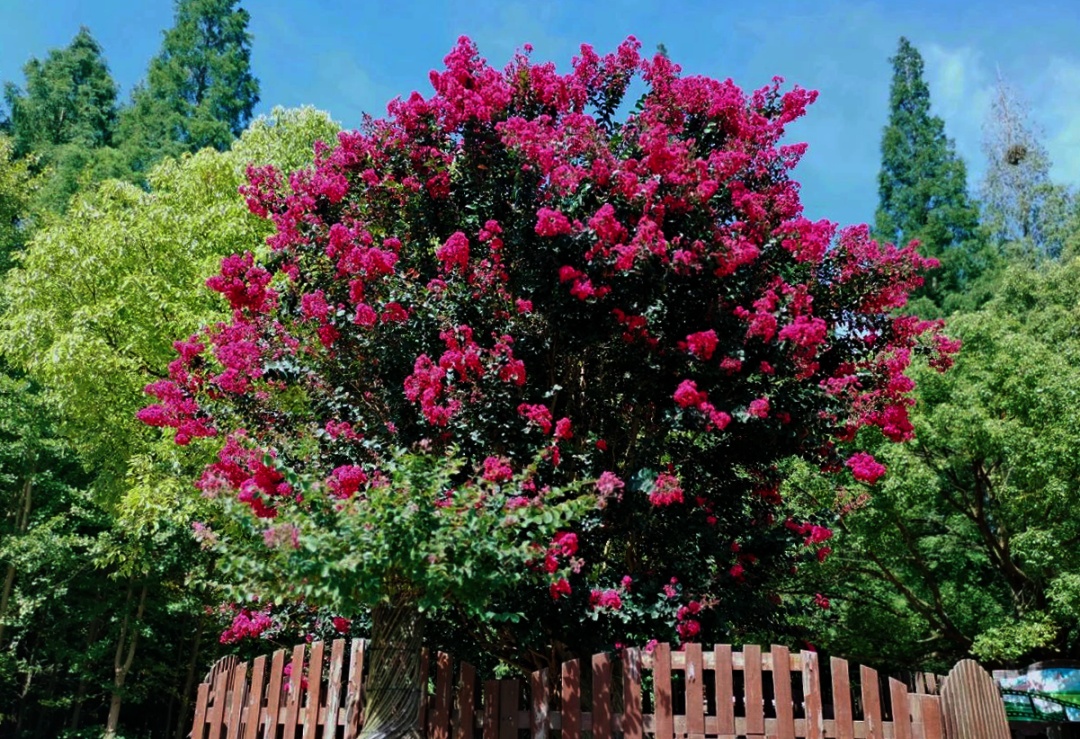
(350, 57)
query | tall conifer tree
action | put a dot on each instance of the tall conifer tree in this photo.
(923, 189)
(199, 91)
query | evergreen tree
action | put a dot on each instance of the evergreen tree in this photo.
(923, 189)
(70, 98)
(1025, 213)
(65, 117)
(199, 91)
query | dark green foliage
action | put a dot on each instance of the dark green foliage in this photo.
(923, 190)
(199, 91)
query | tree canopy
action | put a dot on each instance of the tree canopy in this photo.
(922, 188)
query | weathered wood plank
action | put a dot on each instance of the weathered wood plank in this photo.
(725, 690)
(464, 717)
(198, 725)
(781, 675)
(292, 700)
(755, 703)
(871, 700)
(314, 690)
(439, 726)
(601, 696)
(238, 679)
(901, 709)
(354, 694)
(815, 714)
(571, 699)
(215, 718)
(539, 700)
(253, 717)
(695, 691)
(491, 709)
(663, 706)
(632, 725)
(333, 687)
(841, 684)
(509, 692)
(422, 713)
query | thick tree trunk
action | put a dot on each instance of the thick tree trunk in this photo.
(394, 687)
(122, 663)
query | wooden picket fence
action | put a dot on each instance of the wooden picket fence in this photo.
(693, 693)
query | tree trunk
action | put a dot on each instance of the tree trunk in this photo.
(394, 687)
(22, 523)
(122, 663)
(189, 680)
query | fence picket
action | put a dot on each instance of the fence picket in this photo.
(901, 709)
(333, 688)
(202, 697)
(815, 715)
(238, 679)
(314, 690)
(216, 716)
(841, 682)
(354, 698)
(601, 696)
(871, 699)
(725, 691)
(463, 721)
(755, 703)
(538, 704)
(695, 692)
(491, 709)
(781, 675)
(571, 699)
(632, 724)
(509, 692)
(439, 726)
(663, 708)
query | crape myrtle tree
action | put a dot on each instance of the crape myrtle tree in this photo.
(510, 355)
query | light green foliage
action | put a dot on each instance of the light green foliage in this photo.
(97, 298)
(430, 536)
(199, 91)
(969, 545)
(923, 190)
(17, 187)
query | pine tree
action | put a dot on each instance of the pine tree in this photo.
(1025, 213)
(922, 188)
(199, 91)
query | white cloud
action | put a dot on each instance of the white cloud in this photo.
(961, 89)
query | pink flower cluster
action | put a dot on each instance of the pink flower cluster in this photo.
(247, 624)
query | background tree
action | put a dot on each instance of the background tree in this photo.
(97, 292)
(199, 91)
(17, 189)
(967, 547)
(1022, 208)
(502, 293)
(64, 113)
(923, 190)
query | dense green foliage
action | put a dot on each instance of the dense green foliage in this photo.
(199, 91)
(923, 189)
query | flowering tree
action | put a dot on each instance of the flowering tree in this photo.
(503, 337)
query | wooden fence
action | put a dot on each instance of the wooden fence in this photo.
(315, 693)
